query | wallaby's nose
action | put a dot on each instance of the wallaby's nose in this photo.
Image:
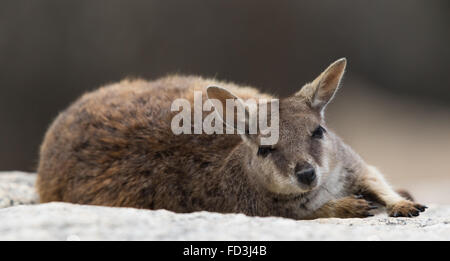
(306, 176)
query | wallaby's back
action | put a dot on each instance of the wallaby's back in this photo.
(115, 147)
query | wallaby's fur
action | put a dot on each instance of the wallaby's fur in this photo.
(115, 147)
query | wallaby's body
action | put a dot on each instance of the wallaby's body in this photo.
(115, 147)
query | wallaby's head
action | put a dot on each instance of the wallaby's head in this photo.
(300, 160)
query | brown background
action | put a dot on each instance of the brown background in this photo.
(393, 108)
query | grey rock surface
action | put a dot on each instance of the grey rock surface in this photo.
(63, 221)
(17, 188)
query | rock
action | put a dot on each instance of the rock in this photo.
(64, 221)
(17, 188)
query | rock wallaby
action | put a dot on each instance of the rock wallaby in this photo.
(115, 147)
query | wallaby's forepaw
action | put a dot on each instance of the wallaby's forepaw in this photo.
(355, 207)
(405, 208)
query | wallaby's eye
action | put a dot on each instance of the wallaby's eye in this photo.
(318, 133)
(263, 151)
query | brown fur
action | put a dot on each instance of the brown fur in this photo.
(115, 147)
(347, 207)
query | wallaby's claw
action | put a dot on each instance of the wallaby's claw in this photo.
(421, 208)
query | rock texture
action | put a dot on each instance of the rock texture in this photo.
(17, 188)
(62, 221)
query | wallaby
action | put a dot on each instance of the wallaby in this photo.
(115, 147)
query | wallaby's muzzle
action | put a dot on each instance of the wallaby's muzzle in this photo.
(306, 176)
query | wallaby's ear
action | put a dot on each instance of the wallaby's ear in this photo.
(321, 91)
(221, 95)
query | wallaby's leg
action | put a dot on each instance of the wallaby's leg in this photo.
(372, 184)
(348, 207)
(405, 194)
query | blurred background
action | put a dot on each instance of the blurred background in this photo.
(393, 108)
